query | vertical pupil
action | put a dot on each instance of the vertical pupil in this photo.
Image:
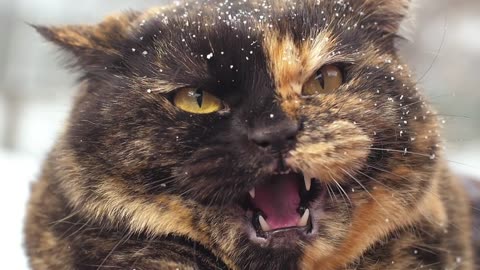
(320, 78)
(199, 96)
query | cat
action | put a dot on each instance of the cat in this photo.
(247, 135)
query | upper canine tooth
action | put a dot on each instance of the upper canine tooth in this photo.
(264, 224)
(252, 193)
(308, 182)
(304, 220)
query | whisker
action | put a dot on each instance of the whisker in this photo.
(437, 54)
(124, 239)
(432, 156)
(380, 183)
(330, 193)
(364, 188)
(340, 188)
(400, 151)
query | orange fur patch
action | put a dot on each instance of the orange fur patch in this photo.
(324, 159)
(291, 65)
(372, 221)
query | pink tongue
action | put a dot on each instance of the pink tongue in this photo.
(279, 200)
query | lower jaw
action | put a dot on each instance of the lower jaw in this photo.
(284, 239)
(305, 226)
(287, 238)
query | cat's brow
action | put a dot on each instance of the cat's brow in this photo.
(154, 84)
(167, 87)
(292, 64)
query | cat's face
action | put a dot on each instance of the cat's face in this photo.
(275, 134)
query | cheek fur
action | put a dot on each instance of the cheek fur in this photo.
(330, 151)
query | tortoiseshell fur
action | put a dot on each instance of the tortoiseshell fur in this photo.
(135, 183)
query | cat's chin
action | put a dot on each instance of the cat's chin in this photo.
(283, 209)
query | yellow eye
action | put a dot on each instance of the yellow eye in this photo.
(327, 79)
(195, 100)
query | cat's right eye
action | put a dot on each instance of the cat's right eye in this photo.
(326, 80)
(196, 100)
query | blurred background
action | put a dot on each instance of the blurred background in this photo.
(35, 91)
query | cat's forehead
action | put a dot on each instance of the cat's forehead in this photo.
(290, 40)
(259, 22)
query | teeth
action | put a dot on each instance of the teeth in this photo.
(304, 220)
(252, 193)
(288, 171)
(308, 182)
(264, 224)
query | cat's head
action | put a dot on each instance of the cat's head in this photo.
(275, 134)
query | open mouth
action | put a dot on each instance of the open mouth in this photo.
(281, 204)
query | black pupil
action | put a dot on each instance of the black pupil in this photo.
(320, 78)
(199, 96)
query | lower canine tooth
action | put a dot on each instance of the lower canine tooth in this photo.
(264, 224)
(304, 220)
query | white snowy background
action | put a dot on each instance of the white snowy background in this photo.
(35, 92)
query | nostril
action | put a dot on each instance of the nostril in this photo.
(279, 135)
(291, 133)
(263, 144)
(261, 138)
(291, 138)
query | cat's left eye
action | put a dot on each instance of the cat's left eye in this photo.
(326, 80)
(196, 100)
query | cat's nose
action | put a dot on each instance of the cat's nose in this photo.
(280, 135)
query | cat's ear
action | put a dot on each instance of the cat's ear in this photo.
(92, 45)
(387, 14)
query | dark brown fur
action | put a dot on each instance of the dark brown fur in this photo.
(135, 183)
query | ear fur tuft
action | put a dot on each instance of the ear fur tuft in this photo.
(387, 14)
(88, 42)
